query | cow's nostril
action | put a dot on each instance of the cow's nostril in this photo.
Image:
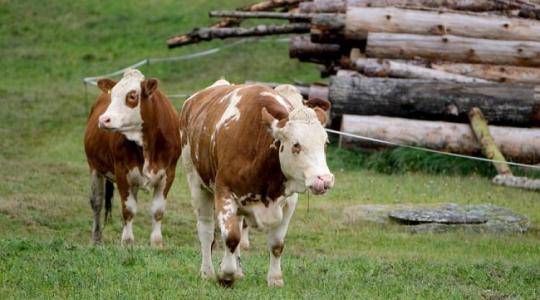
(107, 120)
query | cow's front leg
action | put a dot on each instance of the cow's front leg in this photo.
(158, 207)
(230, 226)
(244, 240)
(276, 242)
(128, 198)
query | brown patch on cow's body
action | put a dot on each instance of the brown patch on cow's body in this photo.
(246, 161)
(112, 153)
(277, 249)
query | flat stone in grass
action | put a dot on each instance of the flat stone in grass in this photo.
(481, 218)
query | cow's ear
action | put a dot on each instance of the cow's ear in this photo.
(320, 103)
(106, 85)
(149, 86)
(321, 115)
(272, 123)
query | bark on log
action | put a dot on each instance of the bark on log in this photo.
(303, 49)
(360, 21)
(517, 144)
(507, 104)
(206, 34)
(340, 6)
(388, 68)
(453, 48)
(260, 15)
(517, 182)
(328, 28)
(507, 74)
(490, 150)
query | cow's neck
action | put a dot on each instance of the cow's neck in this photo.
(154, 137)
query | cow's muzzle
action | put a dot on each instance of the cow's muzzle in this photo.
(321, 184)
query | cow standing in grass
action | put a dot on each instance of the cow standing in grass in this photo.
(132, 137)
(247, 151)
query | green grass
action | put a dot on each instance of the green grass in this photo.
(46, 48)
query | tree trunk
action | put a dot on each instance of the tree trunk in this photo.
(260, 15)
(303, 49)
(490, 150)
(507, 74)
(186, 39)
(328, 28)
(517, 144)
(340, 6)
(453, 48)
(206, 34)
(427, 99)
(360, 21)
(387, 68)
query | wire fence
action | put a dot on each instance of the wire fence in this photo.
(92, 80)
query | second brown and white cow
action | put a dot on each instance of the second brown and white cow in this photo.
(133, 138)
(248, 150)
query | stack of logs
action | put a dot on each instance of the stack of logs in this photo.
(416, 72)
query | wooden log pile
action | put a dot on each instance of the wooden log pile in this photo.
(414, 71)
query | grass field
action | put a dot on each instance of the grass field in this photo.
(46, 48)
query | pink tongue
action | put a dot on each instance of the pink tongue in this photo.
(318, 185)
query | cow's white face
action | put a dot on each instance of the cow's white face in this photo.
(124, 112)
(302, 149)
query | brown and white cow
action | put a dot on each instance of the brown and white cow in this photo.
(247, 151)
(132, 137)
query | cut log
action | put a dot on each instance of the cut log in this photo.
(206, 34)
(260, 15)
(507, 104)
(453, 48)
(508, 74)
(517, 182)
(328, 28)
(340, 6)
(186, 39)
(490, 150)
(517, 144)
(388, 68)
(303, 49)
(360, 21)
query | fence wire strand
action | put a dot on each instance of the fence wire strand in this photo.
(93, 81)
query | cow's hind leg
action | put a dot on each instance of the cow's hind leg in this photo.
(203, 206)
(96, 201)
(276, 242)
(230, 227)
(244, 240)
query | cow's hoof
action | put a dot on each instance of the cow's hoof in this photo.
(156, 242)
(239, 274)
(244, 246)
(227, 280)
(127, 241)
(275, 281)
(208, 275)
(96, 237)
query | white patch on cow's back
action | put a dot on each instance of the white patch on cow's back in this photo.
(279, 99)
(220, 82)
(231, 113)
(291, 93)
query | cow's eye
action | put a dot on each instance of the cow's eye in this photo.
(131, 99)
(296, 148)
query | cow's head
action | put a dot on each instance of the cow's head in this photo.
(124, 112)
(302, 141)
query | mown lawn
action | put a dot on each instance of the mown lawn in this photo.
(46, 48)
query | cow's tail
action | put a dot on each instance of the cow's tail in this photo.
(109, 191)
